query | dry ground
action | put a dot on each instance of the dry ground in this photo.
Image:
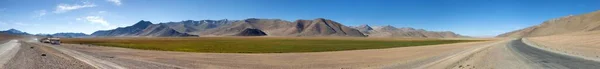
(483, 54)
(402, 57)
(583, 44)
(34, 56)
(257, 44)
(30, 57)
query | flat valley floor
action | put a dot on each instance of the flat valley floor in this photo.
(502, 53)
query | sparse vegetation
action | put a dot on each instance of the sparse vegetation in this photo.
(257, 44)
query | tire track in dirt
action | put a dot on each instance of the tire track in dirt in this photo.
(33, 56)
(93, 61)
(8, 50)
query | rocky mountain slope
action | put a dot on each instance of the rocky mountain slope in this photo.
(251, 32)
(14, 32)
(277, 27)
(406, 32)
(197, 27)
(568, 24)
(142, 28)
(270, 27)
(65, 35)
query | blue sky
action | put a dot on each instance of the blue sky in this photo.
(467, 17)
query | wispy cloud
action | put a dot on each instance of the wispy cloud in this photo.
(117, 2)
(101, 12)
(40, 13)
(21, 24)
(61, 8)
(95, 20)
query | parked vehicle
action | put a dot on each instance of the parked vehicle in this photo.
(55, 41)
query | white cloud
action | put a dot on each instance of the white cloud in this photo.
(25, 24)
(101, 12)
(40, 13)
(117, 2)
(61, 8)
(21, 24)
(96, 20)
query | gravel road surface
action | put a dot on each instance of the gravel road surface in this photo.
(33, 56)
(549, 60)
(8, 50)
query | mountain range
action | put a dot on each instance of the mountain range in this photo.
(563, 25)
(391, 31)
(62, 35)
(142, 28)
(14, 32)
(319, 27)
(66, 35)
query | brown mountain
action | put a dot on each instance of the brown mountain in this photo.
(564, 25)
(272, 27)
(251, 32)
(277, 27)
(266, 27)
(142, 28)
(405, 32)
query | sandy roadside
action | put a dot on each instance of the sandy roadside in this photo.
(33, 56)
(407, 57)
(8, 51)
(498, 56)
(491, 56)
(579, 44)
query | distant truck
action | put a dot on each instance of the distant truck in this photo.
(55, 41)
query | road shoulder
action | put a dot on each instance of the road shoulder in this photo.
(8, 50)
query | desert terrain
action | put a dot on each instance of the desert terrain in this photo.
(497, 53)
(581, 44)
(32, 54)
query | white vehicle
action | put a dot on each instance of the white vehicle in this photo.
(51, 40)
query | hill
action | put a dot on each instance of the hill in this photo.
(65, 35)
(272, 27)
(143, 28)
(405, 32)
(564, 25)
(319, 27)
(14, 32)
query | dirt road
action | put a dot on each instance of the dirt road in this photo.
(33, 56)
(8, 50)
(515, 54)
(550, 60)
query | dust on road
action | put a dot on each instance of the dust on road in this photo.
(32, 56)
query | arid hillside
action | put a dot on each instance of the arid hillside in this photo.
(318, 27)
(404, 32)
(568, 24)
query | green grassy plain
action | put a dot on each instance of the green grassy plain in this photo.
(256, 44)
